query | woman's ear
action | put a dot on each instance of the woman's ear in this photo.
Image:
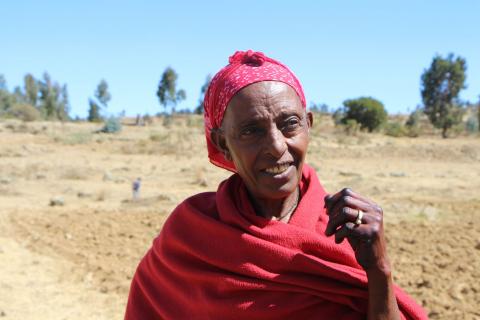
(309, 119)
(218, 138)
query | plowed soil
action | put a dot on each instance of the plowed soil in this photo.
(71, 236)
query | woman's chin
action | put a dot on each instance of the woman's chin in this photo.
(279, 186)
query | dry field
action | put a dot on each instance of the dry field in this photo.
(71, 237)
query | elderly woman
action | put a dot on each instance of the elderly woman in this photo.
(270, 243)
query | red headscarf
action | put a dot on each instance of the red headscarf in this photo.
(244, 68)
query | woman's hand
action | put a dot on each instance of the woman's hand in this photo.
(367, 239)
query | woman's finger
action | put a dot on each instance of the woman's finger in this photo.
(332, 199)
(356, 195)
(347, 215)
(354, 233)
(348, 201)
(345, 231)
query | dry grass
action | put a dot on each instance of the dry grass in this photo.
(76, 261)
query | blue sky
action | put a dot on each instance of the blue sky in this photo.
(338, 49)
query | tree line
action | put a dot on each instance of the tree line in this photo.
(37, 99)
(441, 84)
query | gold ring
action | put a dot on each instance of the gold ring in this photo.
(358, 221)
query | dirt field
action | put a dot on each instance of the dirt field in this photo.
(71, 237)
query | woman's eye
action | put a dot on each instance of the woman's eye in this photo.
(249, 131)
(292, 123)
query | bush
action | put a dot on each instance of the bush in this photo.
(414, 118)
(395, 129)
(112, 125)
(472, 124)
(351, 127)
(369, 113)
(24, 112)
(338, 116)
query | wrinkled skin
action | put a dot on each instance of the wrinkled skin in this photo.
(265, 125)
(367, 240)
(369, 244)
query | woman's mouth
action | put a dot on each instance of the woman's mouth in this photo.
(278, 169)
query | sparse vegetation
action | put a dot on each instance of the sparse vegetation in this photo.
(24, 112)
(395, 129)
(112, 125)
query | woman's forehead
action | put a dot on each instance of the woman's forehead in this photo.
(263, 99)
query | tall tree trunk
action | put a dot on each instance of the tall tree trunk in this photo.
(444, 131)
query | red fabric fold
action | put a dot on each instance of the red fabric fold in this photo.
(215, 259)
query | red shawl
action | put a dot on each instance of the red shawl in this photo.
(215, 259)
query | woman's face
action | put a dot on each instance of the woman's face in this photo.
(265, 133)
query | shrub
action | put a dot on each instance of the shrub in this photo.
(74, 138)
(472, 124)
(24, 112)
(414, 118)
(351, 126)
(369, 113)
(337, 116)
(167, 121)
(395, 129)
(112, 125)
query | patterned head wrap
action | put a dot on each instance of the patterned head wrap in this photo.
(244, 68)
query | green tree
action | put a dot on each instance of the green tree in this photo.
(368, 112)
(478, 112)
(63, 105)
(203, 91)
(102, 94)
(7, 100)
(18, 95)
(31, 88)
(167, 89)
(441, 84)
(93, 111)
(49, 97)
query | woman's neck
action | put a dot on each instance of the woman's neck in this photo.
(278, 209)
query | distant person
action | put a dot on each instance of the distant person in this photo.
(136, 188)
(269, 243)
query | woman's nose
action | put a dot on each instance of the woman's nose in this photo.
(276, 144)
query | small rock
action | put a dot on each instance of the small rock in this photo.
(430, 213)
(349, 174)
(5, 180)
(2, 313)
(40, 176)
(424, 283)
(57, 201)
(398, 174)
(164, 197)
(107, 176)
(477, 246)
(68, 236)
(82, 194)
(88, 278)
(203, 182)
